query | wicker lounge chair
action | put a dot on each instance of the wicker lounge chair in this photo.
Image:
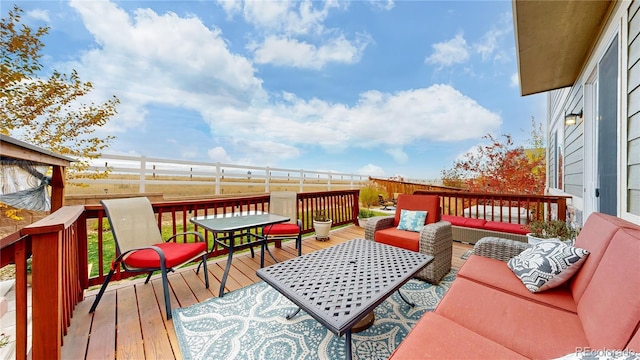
(433, 239)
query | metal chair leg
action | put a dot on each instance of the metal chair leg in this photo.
(101, 292)
(165, 285)
(206, 273)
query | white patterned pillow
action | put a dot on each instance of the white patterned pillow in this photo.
(547, 264)
(412, 220)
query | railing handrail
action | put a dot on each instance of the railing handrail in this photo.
(537, 206)
(462, 193)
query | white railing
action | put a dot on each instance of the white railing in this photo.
(145, 171)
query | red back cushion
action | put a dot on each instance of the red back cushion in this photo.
(431, 203)
(610, 306)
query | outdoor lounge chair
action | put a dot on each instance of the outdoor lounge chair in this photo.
(284, 203)
(139, 245)
(432, 236)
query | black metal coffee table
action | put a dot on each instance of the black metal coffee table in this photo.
(340, 285)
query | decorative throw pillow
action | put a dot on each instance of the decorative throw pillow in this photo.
(412, 220)
(547, 264)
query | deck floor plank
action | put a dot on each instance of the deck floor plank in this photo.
(145, 303)
(130, 344)
(102, 340)
(152, 315)
(77, 338)
(196, 282)
(169, 329)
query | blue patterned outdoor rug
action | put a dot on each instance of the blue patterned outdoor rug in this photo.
(250, 323)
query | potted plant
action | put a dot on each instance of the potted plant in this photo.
(368, 197)
(321, 225)
(555, 230)
(363, 217)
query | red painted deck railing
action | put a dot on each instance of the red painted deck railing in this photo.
(59, 275)
(497, 207)
(59, 245)
(341, 206)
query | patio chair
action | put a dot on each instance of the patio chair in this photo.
(385, 203)
(432, 236)
(284, 203)
(139, 245)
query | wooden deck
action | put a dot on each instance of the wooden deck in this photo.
(130, 321)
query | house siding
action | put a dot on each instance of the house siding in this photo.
(622, 24)
(574, 146)
(633, 110)
(570, 139)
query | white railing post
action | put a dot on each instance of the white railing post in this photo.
(301, 180)
(143, 170)
(267, 178)
(218, 178)
(329, 182)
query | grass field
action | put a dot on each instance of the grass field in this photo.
(186, 187)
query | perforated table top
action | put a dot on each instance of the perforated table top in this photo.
(340, 285)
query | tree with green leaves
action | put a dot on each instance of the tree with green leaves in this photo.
(502, 167)
(47, 110)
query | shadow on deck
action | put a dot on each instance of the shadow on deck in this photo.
(130, 322)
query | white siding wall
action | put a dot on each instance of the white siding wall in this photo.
(633, 111)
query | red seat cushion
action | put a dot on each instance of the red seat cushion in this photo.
(175, 254)
(281, 229)
(505, 227)
(409, 240)
(447, 340)
(529, 328)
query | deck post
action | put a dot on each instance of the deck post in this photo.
(47, 295)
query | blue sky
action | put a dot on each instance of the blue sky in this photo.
(380, 88)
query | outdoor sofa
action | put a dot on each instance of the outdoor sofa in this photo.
(489, 313)
(470, 230)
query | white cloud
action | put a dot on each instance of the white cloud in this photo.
(291, 33)
(291, 52)
(219, 154)
(138, 53)
(39, 15)
(515, 80)
(398, 155)
(288, 17)
(383, 4)
(449, 52)
(489, 47)
(136, 59)
(436, 113)
(371, 170)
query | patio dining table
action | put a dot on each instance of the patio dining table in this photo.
(230, 227)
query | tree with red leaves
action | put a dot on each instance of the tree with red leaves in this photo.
(502, 167)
